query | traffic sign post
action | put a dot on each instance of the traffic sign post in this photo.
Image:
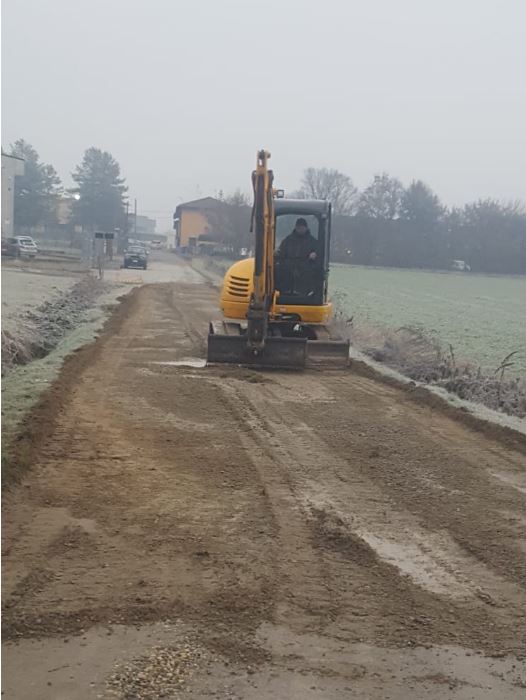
(102, 248)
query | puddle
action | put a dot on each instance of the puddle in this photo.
(432, 560)
(197, 362)
(85, 524)
(436, 673)
(516, 481)
(147, 372)
(513, 517)
(411, 560)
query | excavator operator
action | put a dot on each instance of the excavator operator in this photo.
(296, 261)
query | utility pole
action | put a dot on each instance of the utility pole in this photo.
(135, 218)
(124, 237)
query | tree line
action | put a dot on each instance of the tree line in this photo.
(384, 224)
(97, 198)
(387, 224)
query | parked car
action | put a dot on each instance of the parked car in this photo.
(460, 266)
(135, 256)
(19, 246)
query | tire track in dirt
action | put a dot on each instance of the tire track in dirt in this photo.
(315, 489)
(440, 472)
(161, 498)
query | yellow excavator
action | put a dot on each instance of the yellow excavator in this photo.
(275, 307)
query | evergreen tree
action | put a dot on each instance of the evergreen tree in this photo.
(35, 190)
(101, 191)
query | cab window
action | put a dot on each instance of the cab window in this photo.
(285, 224)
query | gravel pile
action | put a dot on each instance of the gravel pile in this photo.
(164, 673)
(40, 330)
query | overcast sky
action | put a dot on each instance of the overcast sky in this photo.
(183, 92)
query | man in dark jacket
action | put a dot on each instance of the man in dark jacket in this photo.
(296, 257)
(299, 245)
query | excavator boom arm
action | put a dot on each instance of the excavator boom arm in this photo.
(263, 229)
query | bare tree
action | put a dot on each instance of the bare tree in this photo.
(237, 199)
(331, 184)
(490, 235)
(229, 222)
(382, 199)
(421, 204)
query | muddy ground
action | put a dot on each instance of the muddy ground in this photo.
(218, 532)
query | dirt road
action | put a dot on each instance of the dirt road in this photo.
(209, 532)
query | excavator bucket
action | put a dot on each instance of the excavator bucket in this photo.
(278, 353)
(328, 353)
(227, 344)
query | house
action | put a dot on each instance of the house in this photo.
(192, 221)
(142, 227)
(11, 167)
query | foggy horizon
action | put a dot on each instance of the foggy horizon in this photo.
(182, 94)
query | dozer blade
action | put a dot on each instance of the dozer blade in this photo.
(328, 353)
(278, 353)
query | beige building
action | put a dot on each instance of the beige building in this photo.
(191, 220)
(11, 167)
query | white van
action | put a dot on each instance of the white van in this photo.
(460, 266)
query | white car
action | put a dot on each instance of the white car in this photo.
(460, 266)
(20, 246)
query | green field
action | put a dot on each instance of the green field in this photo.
(482, 316)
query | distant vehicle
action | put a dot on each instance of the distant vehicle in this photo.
(243, 252)
(156, 245)
(140, 244)
(135, 256)
(19, 246)
(460, 266)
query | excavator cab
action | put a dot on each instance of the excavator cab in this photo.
(301, 280)
(275, 306)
